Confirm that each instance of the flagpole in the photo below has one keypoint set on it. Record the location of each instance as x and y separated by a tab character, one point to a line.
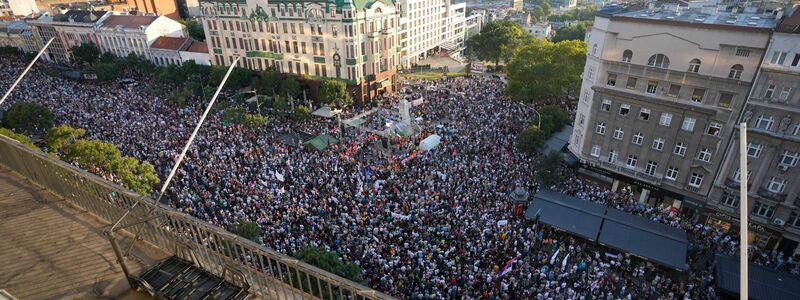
743	244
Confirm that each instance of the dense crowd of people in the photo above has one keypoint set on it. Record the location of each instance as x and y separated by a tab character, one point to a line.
422	225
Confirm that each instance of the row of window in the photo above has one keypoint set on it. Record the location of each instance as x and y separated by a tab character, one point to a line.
714	128
761	209
779	58
698	94
770	92
313	13
662	61
672	173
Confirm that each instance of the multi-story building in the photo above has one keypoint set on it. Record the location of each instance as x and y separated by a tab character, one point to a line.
70	29
661	94
18	7
167	8
539	30
122	35
772	114
430	26
17	34
176	50
354	41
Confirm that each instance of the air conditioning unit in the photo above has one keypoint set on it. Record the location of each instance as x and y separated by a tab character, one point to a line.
778	222
783	167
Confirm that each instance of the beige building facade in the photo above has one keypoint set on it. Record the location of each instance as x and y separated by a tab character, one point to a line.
660	98
772	114
353	41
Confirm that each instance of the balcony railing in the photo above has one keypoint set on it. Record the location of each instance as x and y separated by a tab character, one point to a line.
269	274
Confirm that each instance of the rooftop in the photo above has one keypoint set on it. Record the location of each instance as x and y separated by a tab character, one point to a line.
51	250
198	47
128	21
80	16
169	43
693	16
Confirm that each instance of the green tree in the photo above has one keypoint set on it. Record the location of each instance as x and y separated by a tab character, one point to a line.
301	114
104	71
170	75
254	120
550	168
334	93
28	118
544	71
553	118
279	106
572	32
268	82
497	41
106	57
248	230
239	77
85	53
61	136
138	176
21	138
289	87
329	261
531	139
195	30
91	154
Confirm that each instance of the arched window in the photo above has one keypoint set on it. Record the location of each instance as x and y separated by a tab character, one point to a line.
627	55
736	71
659	61
694	65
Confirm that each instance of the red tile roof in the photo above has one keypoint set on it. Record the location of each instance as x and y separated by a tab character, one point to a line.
128	21
169	43
199	47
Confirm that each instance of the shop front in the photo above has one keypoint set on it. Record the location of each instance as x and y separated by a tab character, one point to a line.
761	236
652	194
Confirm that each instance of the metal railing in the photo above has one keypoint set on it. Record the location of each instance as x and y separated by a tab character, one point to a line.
269	274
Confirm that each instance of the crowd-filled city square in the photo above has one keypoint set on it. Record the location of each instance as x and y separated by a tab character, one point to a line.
422	225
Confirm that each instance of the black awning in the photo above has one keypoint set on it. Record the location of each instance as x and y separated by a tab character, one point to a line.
579	217
660	243
557	141
763	283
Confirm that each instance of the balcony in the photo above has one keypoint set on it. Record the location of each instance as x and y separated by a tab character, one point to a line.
778	197
732	183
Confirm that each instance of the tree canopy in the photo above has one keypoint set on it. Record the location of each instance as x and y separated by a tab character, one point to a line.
61	136
334	93
239	77
248	230
549	168
497	41
85	53
21	138
543	71
572	32
329	261
28	118
195	30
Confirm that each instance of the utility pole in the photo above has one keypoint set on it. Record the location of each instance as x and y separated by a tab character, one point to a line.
743	227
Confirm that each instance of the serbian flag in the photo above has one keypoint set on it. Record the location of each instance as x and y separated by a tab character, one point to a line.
507	268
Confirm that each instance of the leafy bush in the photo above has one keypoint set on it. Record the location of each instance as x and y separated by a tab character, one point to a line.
330	261
59	137
301	114
549	167
21	138
254	120
233	115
